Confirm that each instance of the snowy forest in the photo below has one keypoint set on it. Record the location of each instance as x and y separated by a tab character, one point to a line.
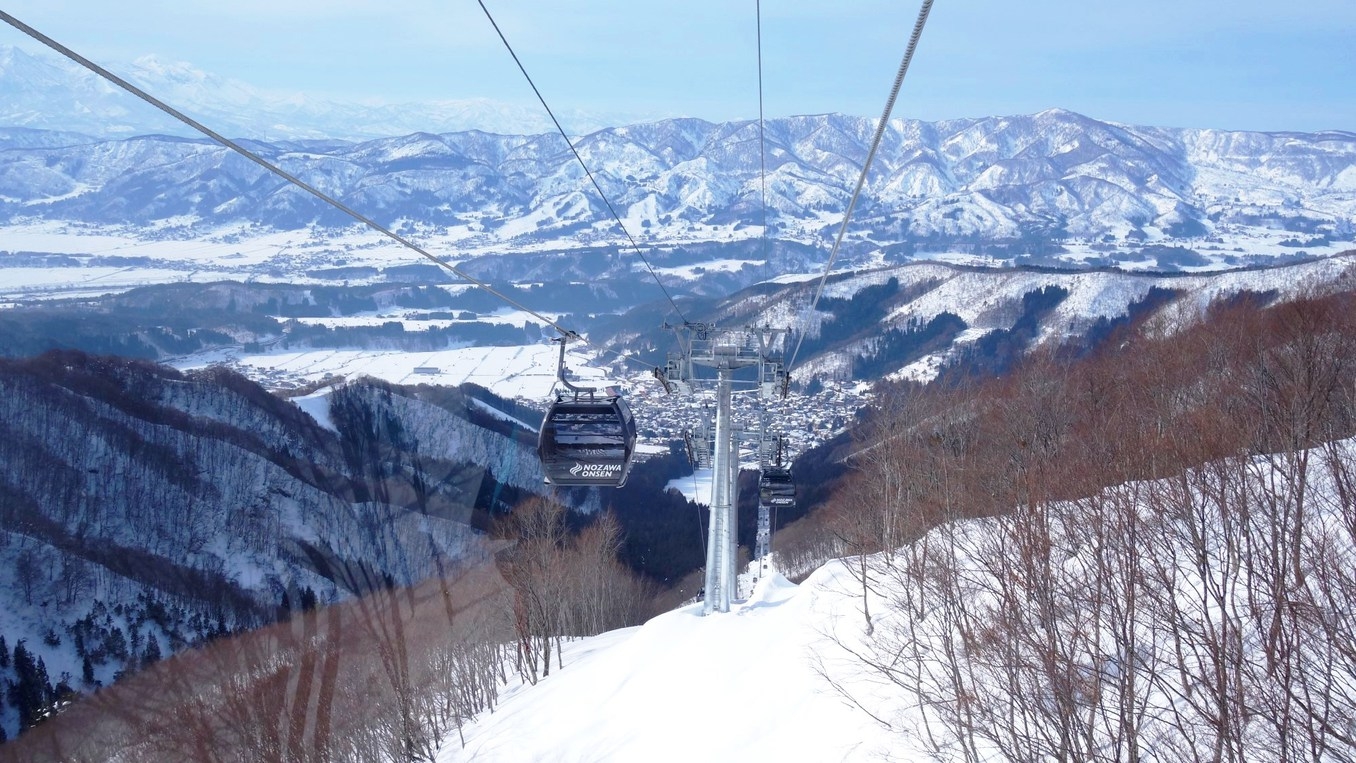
1143	555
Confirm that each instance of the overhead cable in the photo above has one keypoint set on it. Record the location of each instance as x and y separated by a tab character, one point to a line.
582	163
866	167
276	170
762	130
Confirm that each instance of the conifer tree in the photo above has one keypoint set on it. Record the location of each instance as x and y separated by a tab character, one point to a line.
30	689
152	652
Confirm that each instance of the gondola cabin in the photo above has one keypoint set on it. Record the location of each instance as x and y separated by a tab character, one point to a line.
775	487
587	441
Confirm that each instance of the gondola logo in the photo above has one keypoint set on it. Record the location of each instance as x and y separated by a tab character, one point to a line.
595	471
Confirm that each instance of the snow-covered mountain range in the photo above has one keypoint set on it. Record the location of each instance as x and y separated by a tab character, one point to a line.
1051	184
482	176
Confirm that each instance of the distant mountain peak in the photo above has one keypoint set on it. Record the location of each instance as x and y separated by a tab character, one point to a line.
155	66
44	91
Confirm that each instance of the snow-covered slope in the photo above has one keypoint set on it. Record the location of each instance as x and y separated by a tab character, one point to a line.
859	308
738	686
143	511
1119	604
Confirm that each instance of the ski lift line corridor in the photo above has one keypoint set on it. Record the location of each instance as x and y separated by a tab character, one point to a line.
723	350
727	351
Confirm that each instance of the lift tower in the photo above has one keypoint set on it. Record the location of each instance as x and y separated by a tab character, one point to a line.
727	351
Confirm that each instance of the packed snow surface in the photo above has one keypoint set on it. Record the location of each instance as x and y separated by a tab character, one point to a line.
741	685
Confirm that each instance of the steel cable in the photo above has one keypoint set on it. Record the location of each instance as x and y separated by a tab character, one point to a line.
299	183
762	131
581	161
866	167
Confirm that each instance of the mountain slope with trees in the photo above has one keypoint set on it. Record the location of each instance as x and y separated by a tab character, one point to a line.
144	511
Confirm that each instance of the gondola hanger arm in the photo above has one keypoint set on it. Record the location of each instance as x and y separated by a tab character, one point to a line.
564	339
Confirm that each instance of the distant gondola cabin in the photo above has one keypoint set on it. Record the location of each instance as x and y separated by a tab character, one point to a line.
775	487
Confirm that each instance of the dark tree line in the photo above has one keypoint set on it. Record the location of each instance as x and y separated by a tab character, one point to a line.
394	335
1000	350
898	347
662	531
1104	329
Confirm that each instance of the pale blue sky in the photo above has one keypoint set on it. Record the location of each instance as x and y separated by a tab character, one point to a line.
1245	64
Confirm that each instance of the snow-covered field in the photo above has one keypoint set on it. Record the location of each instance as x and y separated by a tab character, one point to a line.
527	371
140	257
241	253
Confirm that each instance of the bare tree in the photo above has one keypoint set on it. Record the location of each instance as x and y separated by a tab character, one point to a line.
27	572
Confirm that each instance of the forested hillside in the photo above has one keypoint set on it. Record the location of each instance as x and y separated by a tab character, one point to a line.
391	675
1166	565
144	511
1066	422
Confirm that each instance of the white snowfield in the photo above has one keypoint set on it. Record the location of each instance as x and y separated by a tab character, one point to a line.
523	371
739	686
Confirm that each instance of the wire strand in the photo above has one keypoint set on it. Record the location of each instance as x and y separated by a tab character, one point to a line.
762	131
581	161
276	170
866	167
235	146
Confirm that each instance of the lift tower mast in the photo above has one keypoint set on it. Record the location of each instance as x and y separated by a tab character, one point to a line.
727	351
